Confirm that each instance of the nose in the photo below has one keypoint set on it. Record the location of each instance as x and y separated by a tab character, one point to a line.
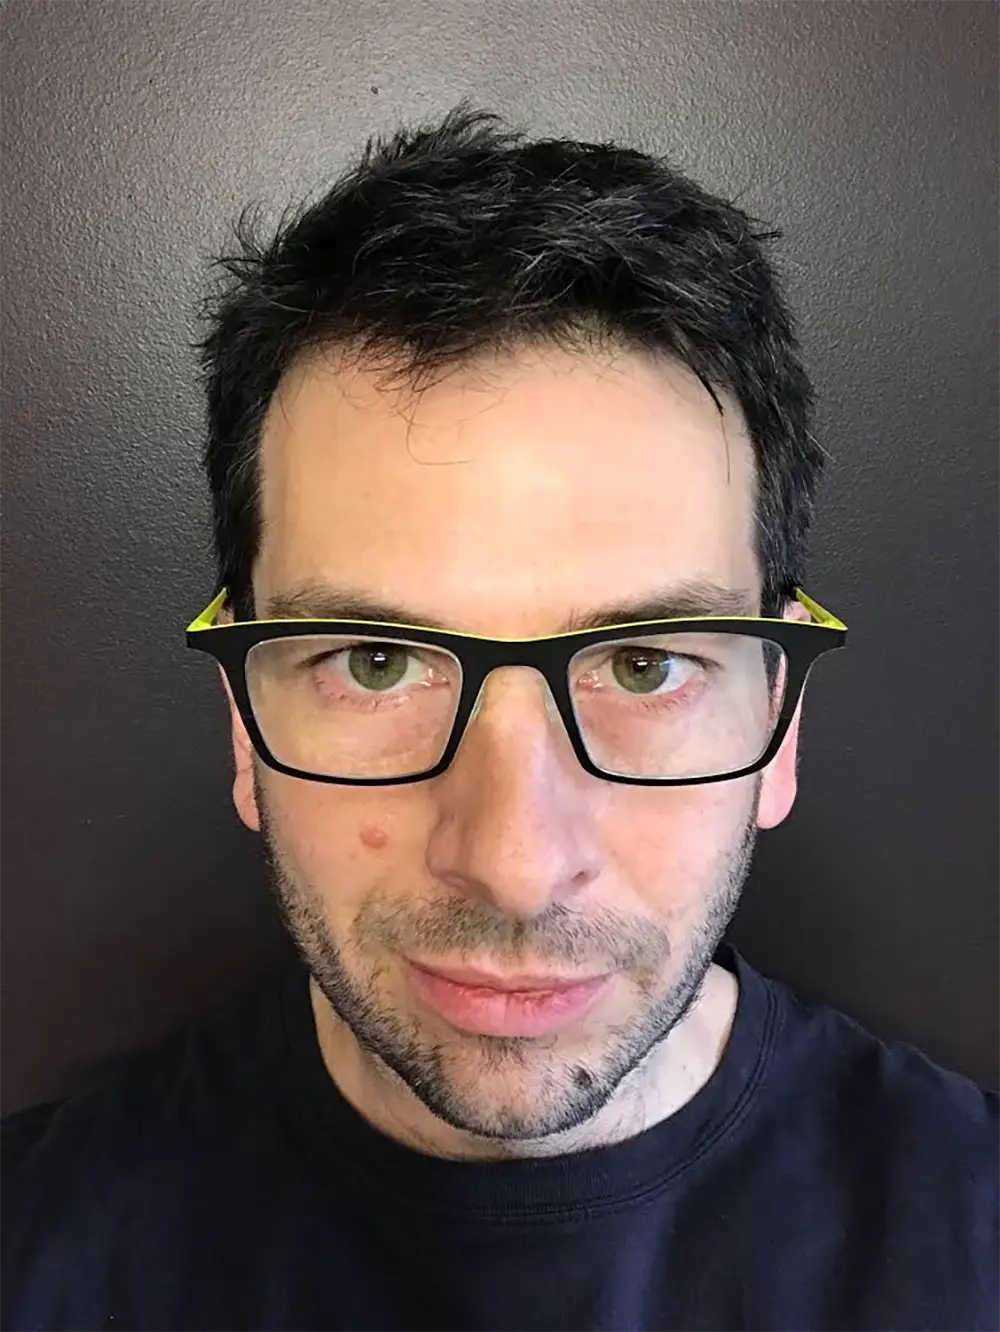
515	811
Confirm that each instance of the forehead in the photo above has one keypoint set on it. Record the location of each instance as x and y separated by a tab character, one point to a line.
508	492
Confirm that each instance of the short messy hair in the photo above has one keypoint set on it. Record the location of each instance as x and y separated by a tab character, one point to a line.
450	240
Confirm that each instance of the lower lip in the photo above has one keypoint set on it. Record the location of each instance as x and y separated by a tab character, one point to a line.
488	1012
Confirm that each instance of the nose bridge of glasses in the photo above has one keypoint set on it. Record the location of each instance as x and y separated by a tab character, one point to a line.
516	669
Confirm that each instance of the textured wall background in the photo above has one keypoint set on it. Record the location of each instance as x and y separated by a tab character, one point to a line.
134	131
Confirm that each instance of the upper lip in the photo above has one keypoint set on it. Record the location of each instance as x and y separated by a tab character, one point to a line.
519	981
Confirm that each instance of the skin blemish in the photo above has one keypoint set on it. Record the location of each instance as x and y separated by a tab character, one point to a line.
372	836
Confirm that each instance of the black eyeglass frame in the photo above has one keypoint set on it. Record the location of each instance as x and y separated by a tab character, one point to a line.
802	642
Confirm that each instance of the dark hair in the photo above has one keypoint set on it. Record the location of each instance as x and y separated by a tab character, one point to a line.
452	239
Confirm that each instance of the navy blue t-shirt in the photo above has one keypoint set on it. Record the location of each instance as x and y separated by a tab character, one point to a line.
821	1179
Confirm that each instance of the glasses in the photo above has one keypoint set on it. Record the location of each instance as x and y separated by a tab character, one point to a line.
655	703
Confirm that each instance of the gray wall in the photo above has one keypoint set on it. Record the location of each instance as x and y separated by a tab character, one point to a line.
133	132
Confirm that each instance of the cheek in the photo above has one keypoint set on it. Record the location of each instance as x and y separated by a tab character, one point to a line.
672	845
329	835
340	842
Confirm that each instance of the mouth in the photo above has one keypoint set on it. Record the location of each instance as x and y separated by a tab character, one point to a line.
518	1005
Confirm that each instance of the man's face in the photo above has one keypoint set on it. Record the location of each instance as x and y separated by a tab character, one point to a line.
501	500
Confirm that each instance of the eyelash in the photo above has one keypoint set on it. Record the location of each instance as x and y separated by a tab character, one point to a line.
374	701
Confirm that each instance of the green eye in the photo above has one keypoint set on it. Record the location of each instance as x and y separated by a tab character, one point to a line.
642	670
378	667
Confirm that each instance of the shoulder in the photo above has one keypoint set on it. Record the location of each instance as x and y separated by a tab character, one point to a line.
178	1098
901	1114
20	1131
110	1195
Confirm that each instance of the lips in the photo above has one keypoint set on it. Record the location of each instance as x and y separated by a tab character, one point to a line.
489	1005
518	982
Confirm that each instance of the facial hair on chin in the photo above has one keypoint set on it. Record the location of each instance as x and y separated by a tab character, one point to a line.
565	1096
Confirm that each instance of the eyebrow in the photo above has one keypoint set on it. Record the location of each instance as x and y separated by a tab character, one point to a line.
686	600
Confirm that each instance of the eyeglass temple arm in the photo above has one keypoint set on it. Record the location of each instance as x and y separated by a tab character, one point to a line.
819	615
206	620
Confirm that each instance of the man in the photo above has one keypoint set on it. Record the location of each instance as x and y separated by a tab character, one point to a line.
511	464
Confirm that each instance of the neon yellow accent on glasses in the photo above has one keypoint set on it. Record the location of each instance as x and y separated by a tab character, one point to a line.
824	618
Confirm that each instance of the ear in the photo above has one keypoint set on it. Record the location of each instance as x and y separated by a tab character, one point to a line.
244	797
779	781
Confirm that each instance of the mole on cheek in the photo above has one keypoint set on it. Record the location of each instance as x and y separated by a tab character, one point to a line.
373	836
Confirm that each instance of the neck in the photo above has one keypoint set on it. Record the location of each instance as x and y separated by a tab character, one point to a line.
670	1075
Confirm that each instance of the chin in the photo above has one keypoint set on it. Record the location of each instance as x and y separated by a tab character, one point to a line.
500	1092
514	1088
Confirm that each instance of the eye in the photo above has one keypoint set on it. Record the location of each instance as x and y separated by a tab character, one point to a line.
642	670
377	666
